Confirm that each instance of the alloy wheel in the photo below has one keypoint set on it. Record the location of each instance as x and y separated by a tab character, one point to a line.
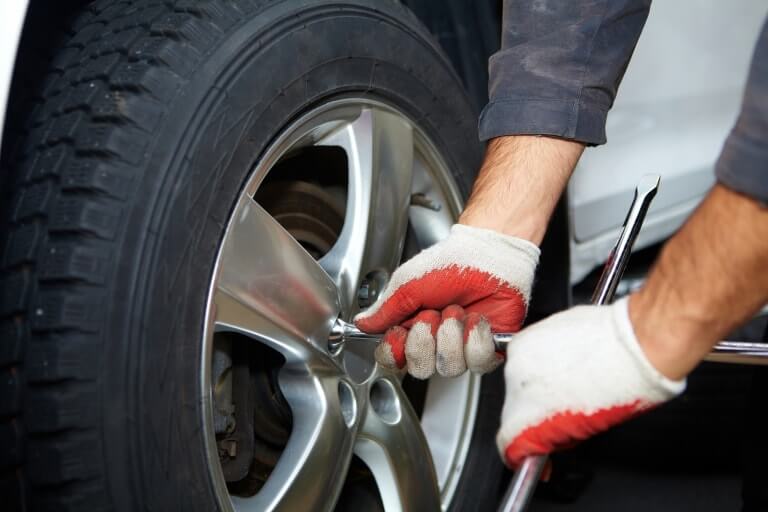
277	289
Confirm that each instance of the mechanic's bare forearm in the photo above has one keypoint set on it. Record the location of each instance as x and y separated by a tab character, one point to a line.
519	184
710	278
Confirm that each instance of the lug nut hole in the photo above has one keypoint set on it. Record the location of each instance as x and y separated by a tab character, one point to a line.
348	403
384	401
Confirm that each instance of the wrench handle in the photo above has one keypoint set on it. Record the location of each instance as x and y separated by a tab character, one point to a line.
520	490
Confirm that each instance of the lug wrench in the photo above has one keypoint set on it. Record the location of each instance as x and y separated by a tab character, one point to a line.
521	488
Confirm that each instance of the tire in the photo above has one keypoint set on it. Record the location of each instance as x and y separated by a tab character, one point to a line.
148	124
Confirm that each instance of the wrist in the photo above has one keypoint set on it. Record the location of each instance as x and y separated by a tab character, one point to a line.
668	339
667	383
530	229
519	184
709	278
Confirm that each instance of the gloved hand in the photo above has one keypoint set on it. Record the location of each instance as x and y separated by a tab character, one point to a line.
573	375
440	307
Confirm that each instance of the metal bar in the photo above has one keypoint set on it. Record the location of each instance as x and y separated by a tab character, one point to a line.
735	352
522	486
619	257
524	482
739	352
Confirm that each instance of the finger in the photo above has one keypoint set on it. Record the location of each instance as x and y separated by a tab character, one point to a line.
420	344
390	352
479	349
450	343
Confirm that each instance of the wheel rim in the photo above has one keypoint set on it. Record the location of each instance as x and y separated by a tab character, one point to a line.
268	289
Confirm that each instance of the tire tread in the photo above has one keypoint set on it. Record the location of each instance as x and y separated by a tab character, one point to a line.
81	152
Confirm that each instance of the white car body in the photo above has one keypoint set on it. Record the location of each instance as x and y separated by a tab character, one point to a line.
678	100
12	14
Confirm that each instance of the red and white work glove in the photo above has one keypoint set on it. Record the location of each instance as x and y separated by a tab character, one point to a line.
440	307
573	375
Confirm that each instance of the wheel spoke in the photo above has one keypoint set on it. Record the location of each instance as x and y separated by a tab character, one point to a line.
313	466
379	147
270	288
393	446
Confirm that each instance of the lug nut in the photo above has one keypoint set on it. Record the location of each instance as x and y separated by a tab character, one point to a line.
364	294
370	288
336	339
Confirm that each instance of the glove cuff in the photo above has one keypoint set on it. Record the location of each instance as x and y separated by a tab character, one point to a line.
664	387
489	236
511	259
